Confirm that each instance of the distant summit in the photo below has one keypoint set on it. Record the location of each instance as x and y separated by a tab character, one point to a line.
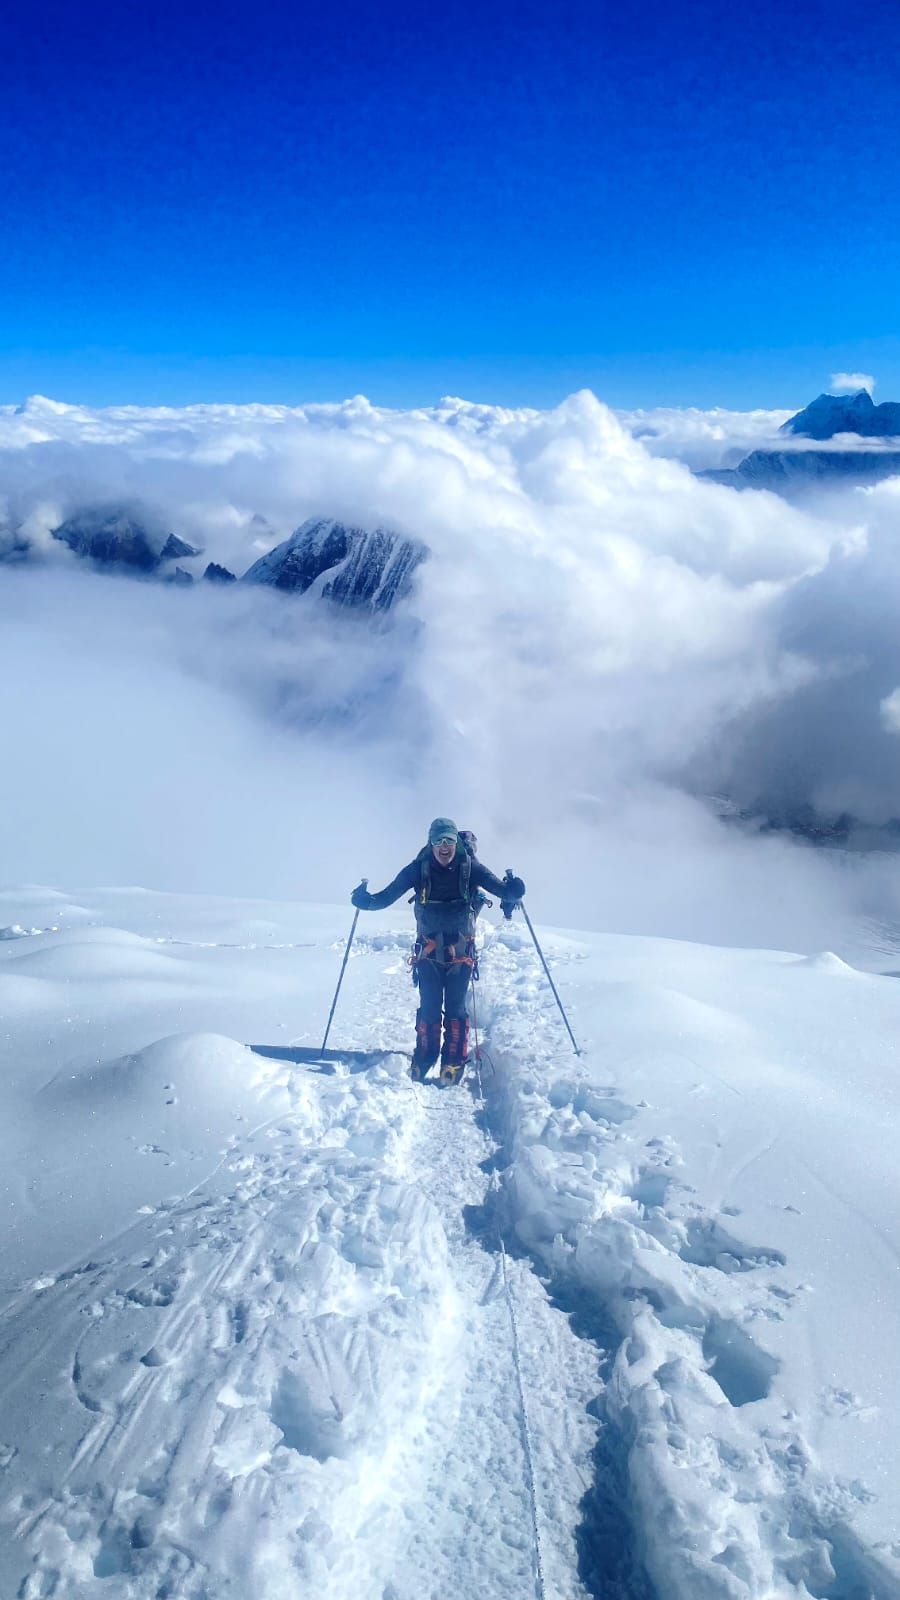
794	472
830	414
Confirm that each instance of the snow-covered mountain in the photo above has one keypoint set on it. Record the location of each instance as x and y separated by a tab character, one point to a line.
352	566
830	414
790	472
621	1324
359	568
119	537
797	472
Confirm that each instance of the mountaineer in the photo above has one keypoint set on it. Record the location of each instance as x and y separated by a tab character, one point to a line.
447	879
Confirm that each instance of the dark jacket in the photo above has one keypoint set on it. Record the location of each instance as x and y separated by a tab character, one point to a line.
446	910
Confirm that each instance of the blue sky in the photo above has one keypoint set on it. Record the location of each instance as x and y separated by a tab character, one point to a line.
280	202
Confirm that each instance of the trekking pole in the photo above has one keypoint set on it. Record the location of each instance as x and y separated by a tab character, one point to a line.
549	978
343	967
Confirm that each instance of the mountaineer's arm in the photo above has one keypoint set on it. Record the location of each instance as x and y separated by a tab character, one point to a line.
510	888
407	878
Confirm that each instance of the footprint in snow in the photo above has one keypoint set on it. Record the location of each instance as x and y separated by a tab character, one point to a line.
153	1294
836	1402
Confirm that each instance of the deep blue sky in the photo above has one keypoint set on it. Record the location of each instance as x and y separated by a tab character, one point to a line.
671	204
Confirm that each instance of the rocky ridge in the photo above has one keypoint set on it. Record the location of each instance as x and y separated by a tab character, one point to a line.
353	567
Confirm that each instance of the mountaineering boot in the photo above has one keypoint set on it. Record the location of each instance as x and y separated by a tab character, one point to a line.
428	1044
455	1053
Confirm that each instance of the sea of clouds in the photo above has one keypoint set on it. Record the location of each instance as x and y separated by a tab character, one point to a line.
599	642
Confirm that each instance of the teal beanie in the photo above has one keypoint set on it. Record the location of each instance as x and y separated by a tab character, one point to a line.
442	828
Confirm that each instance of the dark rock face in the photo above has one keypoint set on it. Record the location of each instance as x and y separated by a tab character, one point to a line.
176	549
353	567
13	548
857	413
790	472
216	574
113	536
109	536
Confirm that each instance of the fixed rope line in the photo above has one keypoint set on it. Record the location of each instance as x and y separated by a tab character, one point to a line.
527	1445
540	1584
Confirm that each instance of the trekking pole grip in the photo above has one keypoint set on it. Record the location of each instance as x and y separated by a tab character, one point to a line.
508	906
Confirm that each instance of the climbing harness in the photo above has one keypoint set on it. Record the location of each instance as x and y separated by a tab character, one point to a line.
442	955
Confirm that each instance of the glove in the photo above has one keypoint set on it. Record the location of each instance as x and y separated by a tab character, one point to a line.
361	897
513	892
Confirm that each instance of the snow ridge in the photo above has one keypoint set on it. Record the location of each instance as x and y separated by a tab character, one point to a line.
377	1340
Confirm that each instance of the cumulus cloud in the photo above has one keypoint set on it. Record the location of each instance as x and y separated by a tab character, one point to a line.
598	639
825	747
851	382
714	438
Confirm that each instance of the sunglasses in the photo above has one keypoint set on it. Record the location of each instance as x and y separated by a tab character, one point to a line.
446	840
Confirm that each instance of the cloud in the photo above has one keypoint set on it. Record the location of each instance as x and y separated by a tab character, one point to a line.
890	711
851	382
598	639
715	438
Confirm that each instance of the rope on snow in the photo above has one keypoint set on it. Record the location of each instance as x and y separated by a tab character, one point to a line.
540	1583
527	1445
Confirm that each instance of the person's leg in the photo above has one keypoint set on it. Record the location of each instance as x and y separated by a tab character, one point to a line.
428	1018
455	1052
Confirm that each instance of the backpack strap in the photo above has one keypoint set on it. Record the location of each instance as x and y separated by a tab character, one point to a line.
465	873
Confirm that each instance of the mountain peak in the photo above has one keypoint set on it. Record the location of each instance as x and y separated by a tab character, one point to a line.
352	566
830	414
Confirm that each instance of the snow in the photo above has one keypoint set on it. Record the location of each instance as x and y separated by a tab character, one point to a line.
620	1324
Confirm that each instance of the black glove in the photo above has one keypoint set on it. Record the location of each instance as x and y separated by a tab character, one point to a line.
513	892
361	897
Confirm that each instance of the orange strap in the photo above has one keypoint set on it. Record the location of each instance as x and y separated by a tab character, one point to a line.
429	948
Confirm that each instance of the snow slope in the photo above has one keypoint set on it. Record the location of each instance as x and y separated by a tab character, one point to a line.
618	1325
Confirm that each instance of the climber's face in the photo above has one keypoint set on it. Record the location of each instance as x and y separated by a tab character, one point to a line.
444	851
